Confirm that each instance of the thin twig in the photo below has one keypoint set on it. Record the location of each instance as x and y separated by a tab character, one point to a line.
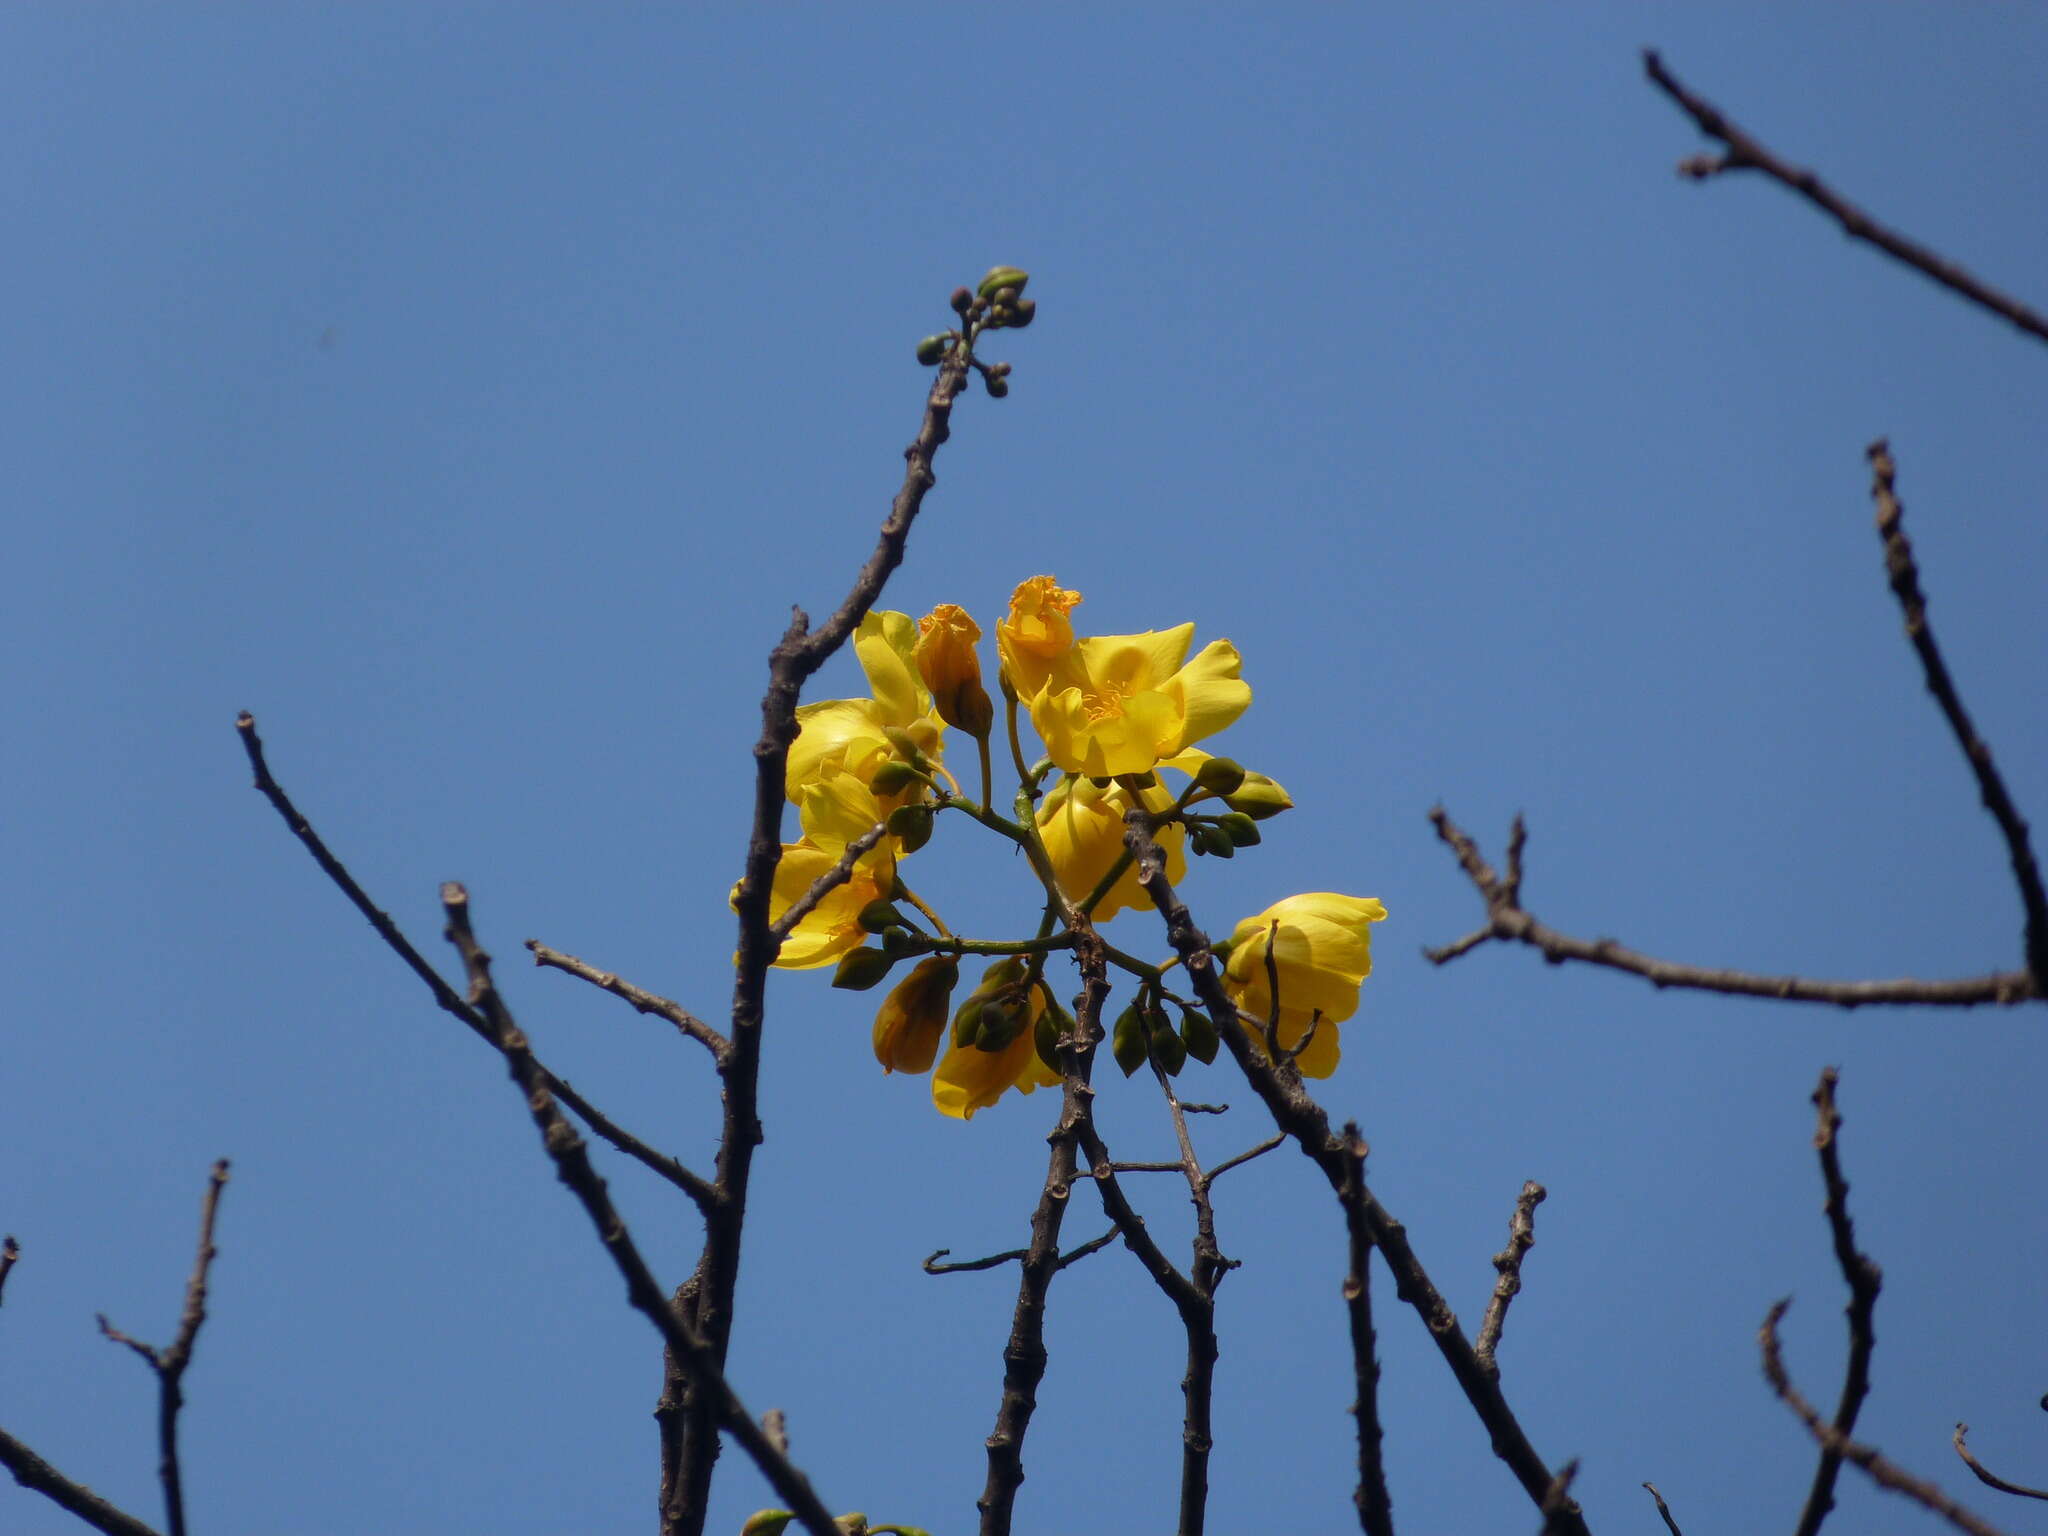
1295	1112
10	1252
1865	1280
38	1476
659	1163
829	881
1508	1265
1242	1158
573	1167
1886	1474
1664	1510
644	1001
1746	154
1905	584
169	1363
1985	1475
1507	919
1374	1504
932	1266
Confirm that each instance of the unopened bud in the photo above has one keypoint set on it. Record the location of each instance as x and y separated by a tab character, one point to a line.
1167	1047
999	1024
893	777
767	1522
1242	831
962	297
860	969
1022	313
1002	277
1045	1036
1220	775
905	744
997	388
1259	797
911	826
1127	1040
932	348
879	914
1198	1034
967	1020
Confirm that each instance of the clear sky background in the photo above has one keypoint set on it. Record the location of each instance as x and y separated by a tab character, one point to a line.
470	391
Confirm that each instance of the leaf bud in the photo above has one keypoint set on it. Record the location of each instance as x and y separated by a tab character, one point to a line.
1220	775
1259	797
860	969
879	914
932	348
1198	1034
911	826
1000	278
1242	831
1127	1040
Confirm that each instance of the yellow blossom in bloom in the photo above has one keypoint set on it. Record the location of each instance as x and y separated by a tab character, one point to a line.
1121	703
1323	955
835	809
914	1014
851	733
950	669
1082	828
1036	633
969	1078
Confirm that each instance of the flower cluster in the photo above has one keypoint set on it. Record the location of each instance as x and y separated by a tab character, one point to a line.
1114	715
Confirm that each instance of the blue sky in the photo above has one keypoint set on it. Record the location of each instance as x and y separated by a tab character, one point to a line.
470	391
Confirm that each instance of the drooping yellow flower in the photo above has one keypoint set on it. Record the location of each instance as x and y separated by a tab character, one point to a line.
1082	828
969	1078
913	1016
951	670
1035	633
851	733
1121	703
1322	955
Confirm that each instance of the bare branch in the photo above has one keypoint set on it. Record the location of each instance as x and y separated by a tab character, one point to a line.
1375	1506
1242	1158
646	1002
1507	919
1886	1474
1744	153
573	1167
828	882
932	1266
1664	1510
169	1363
1905	584
37	1475
1865	1280
1985	1475
1508	1264
1306	1124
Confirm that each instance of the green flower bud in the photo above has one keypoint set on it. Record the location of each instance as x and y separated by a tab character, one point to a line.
1002	277
996	387
898	942
767	1522
1045	1035
1022	313
1167	1047
905	744
967	1020
893	777
879	914
1127	1040
1210	838
999	1024
911	825
1242	831
1198	1034
962	297
1220	775
932	348
1259	797
855	1524
860	969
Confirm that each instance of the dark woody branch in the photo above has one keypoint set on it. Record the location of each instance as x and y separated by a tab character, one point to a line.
1305	1122
573	1167
1508	1266
1664	1510
1508	920
37	1475
932	1266
1743	153
644	1001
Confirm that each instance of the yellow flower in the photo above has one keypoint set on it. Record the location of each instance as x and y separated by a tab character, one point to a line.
1083	831
1120	703
851	733
1036	633
946	661
970	1078
914	1015
1323	955
832	927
